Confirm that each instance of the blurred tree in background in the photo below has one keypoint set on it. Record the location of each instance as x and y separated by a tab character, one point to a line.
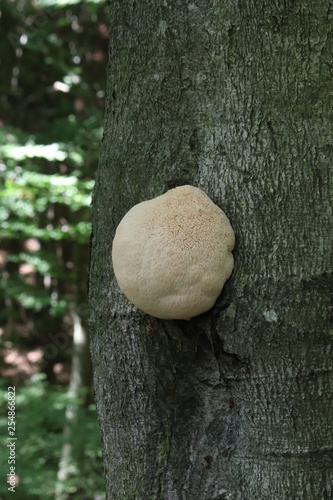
53	64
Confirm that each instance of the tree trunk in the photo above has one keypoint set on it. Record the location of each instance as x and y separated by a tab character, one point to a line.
235	98
78	395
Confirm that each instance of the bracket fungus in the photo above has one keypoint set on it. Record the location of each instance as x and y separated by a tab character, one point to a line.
172	254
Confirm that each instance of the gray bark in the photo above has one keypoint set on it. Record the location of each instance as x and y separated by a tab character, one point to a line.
78	394
235	98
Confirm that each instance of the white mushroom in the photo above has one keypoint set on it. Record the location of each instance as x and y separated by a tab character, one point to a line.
172	254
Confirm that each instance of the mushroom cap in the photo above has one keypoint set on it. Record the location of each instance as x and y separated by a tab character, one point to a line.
172	254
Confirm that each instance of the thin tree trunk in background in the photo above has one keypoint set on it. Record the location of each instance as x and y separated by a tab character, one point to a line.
235	98
79	391
77	394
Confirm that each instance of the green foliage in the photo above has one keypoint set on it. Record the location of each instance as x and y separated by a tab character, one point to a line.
53	64
40	418
27	194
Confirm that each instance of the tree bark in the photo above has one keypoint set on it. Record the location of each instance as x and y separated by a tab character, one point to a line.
235	98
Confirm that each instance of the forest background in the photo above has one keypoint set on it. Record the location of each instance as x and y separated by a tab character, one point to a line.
53	73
